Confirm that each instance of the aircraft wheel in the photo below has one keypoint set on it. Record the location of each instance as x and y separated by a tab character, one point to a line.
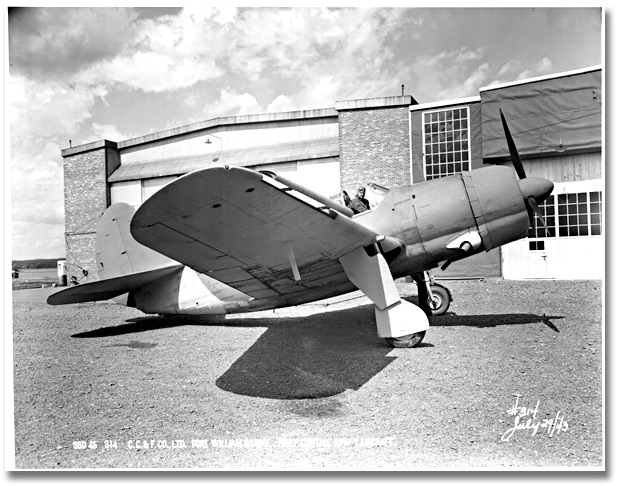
409	341
439	301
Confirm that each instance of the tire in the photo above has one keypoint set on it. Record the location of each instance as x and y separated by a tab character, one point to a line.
410	341
440	300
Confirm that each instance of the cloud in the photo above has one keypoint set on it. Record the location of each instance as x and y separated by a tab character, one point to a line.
469	87
513	71
282	103
509	68
52	42
39	109
452	74
231	103
542	67
466	55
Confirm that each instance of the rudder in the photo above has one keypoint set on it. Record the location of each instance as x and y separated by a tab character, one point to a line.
117	252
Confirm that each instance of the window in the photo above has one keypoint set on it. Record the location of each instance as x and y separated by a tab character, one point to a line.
595	213
575	214
579	214
537	245
547	209
446	142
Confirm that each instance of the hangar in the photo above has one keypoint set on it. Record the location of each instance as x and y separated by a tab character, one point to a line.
381	143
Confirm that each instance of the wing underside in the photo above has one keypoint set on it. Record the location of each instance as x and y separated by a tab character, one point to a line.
249	231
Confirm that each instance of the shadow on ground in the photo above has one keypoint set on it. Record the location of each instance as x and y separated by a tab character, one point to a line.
493	320
314	356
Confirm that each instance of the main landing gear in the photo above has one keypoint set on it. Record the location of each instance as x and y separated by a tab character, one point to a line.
433	299
410	341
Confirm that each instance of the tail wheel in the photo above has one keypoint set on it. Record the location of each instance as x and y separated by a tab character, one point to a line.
439	300
409	341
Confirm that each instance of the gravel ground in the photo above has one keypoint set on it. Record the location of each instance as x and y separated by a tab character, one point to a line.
103	386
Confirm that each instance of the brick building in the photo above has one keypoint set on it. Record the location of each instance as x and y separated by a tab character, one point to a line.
390	141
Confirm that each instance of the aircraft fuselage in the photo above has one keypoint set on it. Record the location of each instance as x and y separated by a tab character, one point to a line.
423	225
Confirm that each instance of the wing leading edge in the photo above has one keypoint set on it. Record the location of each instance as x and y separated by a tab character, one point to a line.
250	231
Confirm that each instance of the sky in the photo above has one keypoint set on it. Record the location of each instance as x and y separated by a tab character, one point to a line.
86	74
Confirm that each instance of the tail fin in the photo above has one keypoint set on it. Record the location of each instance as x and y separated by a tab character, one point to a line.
117	252
124	265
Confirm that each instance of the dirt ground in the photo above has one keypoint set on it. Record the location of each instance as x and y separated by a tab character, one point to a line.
313	387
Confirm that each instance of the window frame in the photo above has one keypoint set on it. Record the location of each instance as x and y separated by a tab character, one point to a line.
449	151
573	220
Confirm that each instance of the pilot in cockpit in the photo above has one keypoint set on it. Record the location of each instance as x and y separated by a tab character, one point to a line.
359	203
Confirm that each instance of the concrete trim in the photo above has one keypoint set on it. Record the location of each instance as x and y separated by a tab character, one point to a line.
87	147
446	104
369	103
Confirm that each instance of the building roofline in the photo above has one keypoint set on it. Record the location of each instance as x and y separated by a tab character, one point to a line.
383	102
542	78
206	124
446	104
87	147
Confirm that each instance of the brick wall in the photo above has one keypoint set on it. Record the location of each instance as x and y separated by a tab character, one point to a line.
87	196
374	147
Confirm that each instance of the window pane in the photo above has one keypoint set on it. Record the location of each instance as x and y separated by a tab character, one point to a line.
446	141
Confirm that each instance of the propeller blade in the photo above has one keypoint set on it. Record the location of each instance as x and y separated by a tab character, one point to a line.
514	153
534	210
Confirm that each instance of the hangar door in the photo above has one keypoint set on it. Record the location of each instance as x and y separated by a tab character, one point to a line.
573	245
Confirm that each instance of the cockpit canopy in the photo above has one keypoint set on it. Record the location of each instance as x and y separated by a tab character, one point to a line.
375	194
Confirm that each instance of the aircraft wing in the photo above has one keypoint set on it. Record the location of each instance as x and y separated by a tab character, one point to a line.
110	287
250	231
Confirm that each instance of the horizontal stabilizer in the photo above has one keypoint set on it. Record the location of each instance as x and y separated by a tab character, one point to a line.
110	287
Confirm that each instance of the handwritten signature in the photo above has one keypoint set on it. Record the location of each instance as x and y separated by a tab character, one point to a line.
526	418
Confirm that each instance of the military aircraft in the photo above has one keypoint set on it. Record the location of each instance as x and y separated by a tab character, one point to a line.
229	239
